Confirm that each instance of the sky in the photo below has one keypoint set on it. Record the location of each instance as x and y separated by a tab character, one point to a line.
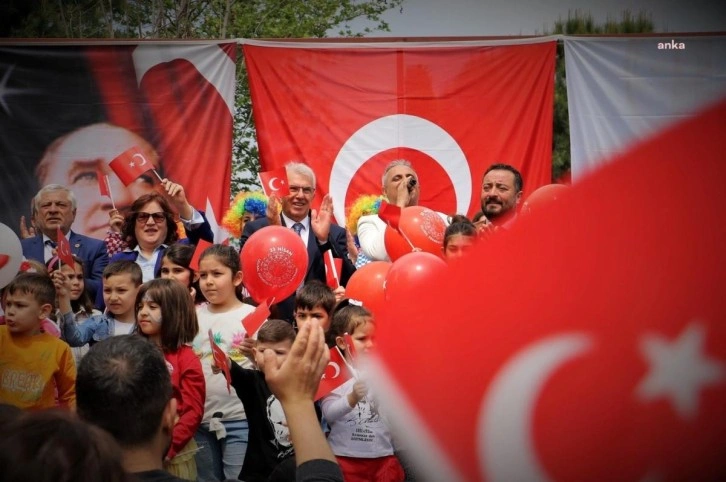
531	17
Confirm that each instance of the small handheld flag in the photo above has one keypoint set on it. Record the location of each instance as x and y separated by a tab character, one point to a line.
220	359
275	182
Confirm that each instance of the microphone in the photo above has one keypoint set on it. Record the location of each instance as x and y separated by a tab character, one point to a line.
411	183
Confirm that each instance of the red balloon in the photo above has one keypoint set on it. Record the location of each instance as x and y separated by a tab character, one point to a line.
274	262
367	283
422	226
412	275
542	196
396	246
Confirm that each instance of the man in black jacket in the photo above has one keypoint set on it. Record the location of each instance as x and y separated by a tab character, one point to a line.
315	228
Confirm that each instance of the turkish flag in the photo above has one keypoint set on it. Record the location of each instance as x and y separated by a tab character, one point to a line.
332	269
451	110
130	165
257	318
275	182
390	214
220	359
600	331
336	374
64	249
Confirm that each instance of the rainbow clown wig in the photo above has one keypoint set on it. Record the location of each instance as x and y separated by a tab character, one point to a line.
363	206
253	203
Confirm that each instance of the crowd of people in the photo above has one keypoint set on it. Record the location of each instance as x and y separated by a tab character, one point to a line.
127	338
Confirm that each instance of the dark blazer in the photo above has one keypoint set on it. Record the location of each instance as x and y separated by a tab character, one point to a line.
336	242
92	251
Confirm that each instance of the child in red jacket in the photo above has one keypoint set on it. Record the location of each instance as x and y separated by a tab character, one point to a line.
165	314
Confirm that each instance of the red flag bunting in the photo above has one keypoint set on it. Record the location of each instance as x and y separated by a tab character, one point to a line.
64	249
220	359
275	182
201	246
130	164
257	318
336	374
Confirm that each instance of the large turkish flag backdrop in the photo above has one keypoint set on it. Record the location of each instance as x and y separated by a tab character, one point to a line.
451	109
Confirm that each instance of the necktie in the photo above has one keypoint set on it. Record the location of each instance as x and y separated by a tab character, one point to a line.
298	227
50	243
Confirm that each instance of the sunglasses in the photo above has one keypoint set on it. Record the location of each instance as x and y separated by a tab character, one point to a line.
143	218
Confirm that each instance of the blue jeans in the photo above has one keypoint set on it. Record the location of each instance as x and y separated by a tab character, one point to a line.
221	459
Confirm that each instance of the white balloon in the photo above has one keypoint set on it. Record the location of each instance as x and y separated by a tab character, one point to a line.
505	447
10	247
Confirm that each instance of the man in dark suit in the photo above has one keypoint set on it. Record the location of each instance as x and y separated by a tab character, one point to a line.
55	207
314	228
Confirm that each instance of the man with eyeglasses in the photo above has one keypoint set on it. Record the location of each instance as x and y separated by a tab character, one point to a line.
55	207
315	228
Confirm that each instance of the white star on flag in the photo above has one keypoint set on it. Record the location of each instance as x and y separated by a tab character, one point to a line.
6	91
132	164
678	369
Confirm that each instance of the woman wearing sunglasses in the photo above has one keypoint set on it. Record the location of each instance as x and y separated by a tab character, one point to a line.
151	226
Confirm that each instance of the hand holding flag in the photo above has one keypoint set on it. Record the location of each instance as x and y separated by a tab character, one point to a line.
275	182
64	249
336	374
220	360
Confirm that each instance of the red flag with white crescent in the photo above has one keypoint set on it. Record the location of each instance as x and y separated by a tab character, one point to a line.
130	165
600	330
275	182
336	374
64	249
450	110
220	360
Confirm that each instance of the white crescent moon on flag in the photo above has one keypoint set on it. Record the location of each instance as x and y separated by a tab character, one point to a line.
505	447
140	156
337	369
399	130
210	61
271	184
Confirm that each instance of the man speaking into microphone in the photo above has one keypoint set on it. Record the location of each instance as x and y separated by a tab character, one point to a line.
400	187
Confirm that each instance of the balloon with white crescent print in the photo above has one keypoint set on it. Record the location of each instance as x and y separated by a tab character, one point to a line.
399	130
505	447
143	159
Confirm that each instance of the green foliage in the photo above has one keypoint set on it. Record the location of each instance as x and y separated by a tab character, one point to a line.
579	23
